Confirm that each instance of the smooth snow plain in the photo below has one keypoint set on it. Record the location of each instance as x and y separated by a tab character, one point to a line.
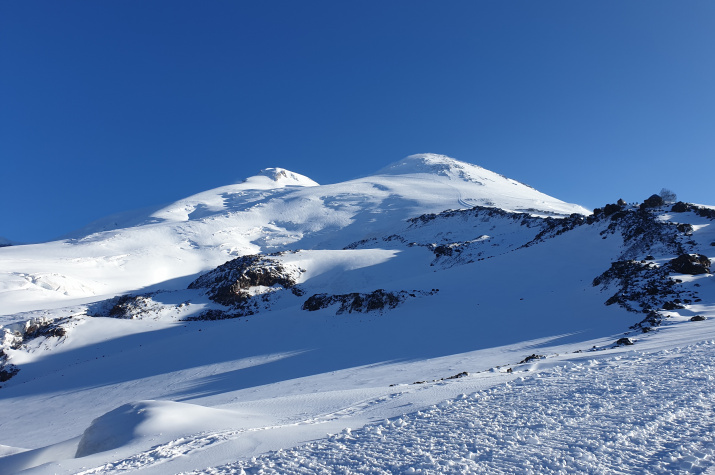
289	391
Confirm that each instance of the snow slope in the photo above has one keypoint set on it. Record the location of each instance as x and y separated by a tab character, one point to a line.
441	381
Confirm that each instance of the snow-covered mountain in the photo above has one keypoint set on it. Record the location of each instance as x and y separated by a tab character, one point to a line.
262	315
275	211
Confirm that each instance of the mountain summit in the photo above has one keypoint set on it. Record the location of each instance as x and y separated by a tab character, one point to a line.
441	165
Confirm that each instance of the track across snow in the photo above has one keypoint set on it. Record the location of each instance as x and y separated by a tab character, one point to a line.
635	413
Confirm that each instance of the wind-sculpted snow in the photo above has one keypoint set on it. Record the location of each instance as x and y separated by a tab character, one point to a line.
636	413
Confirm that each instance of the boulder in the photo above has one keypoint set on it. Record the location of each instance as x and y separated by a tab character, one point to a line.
653	202
692	264
610	208
669	305
680	207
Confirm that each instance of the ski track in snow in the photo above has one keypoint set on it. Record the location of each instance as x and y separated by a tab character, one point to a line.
639	413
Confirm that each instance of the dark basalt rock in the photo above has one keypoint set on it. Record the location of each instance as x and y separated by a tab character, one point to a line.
532	357
8	371
463	374
34	328
128	306
609	209
642	286
680	207
693	264
704	212
377	300
697	318
214	314
653	202
228	283
669	305
624	341
47	328
685	228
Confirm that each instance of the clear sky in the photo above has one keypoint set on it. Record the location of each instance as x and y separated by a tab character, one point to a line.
108	106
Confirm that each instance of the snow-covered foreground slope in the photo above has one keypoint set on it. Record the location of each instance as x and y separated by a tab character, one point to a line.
428	340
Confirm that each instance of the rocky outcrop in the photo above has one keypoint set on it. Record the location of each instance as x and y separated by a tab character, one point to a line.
680	207
642	287
131	306
17	335
625	341
377	300
231	284
653	202
7	370
693	264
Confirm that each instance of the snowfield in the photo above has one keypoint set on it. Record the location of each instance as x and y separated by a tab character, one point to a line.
432	318
633	413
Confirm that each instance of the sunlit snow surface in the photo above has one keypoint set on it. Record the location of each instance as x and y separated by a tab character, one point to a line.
633	413
263	393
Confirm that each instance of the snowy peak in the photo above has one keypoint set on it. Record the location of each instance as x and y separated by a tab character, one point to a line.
278	178
476	186
444	166
431	163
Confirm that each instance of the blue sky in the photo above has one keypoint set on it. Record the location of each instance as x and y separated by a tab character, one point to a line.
115	105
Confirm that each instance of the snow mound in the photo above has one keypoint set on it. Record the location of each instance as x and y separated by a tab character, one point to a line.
132	422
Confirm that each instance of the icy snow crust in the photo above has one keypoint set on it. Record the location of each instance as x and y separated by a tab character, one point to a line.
439	384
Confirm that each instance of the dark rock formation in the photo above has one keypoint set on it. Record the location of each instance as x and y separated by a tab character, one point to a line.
693	264
680	207
377	300
653	202
685	228
228	284
670	305
129	306
32	329
7	371
641	287
624	341
697	318
532	357
609	209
